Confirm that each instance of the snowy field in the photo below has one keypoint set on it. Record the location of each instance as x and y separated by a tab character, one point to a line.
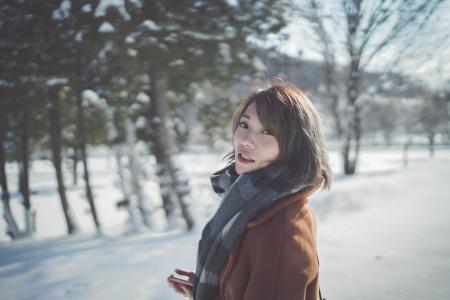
383	234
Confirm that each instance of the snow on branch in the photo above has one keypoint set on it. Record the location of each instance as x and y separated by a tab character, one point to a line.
151	25
56	81
63	11
106	27
118	4
91	98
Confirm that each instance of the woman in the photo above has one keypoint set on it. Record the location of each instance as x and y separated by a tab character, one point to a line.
261	242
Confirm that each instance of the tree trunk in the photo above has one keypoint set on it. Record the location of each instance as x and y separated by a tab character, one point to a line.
82	148
24	185
405	151
75	165
136	172
11	226
162	151
333	93
55	140
431	143
183	192
161	145
387	136
351	144
135	222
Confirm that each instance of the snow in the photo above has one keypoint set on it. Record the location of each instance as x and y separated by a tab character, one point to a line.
87	8
79	36
176	63
130	39
224	50
162	47
141	122
91	98
230	32
171	38
56	81
388	229
134	107
203	36
106	27
63	11
243	57
108	47
143	98
387	85
119	5
195	52
150	25
132	52
383	234
258	64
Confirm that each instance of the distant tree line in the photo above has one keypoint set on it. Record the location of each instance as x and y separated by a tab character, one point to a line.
396	108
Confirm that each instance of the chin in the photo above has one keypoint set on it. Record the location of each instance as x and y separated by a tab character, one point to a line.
238	170
241	169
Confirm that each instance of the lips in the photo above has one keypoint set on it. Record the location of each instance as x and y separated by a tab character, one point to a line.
245	160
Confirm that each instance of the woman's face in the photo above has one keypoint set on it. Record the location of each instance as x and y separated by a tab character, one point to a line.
254	146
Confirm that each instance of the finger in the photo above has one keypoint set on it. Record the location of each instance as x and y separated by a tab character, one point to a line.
177	287
189	274
187	292
183	272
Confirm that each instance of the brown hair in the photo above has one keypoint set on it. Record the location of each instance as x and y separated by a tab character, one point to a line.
296	124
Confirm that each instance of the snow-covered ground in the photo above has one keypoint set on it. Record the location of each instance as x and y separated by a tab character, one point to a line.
383	234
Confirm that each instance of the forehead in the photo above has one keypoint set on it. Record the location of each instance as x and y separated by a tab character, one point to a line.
251	110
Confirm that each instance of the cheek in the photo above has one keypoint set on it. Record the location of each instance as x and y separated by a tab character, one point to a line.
272	150
235	139
275	151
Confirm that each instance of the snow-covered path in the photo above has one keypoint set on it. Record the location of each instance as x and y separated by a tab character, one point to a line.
383	234
86	268
387	236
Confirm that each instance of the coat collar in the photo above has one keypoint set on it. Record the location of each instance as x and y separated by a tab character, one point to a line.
268	213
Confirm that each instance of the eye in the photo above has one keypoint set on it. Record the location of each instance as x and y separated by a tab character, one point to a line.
243	124
267	132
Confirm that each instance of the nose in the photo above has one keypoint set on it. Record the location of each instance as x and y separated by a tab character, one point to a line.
247	140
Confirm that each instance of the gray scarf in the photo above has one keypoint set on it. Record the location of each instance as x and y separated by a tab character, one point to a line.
243	197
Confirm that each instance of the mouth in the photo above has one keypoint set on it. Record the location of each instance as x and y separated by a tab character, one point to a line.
245	160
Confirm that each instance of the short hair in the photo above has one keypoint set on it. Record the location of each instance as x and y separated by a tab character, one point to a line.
290	115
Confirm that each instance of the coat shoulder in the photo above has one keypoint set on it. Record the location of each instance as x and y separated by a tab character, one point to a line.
291	227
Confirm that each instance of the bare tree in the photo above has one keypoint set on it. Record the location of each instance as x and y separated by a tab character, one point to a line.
82	145
372	31
24	168
54	116
382	116
432	119
12	228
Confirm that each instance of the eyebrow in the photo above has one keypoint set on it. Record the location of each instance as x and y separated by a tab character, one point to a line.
245	116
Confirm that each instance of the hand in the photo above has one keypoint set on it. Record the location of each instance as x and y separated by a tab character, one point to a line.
182	289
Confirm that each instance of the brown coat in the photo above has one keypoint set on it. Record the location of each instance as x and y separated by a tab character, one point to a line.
276	258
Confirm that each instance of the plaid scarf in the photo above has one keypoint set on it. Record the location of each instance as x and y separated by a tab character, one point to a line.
243	197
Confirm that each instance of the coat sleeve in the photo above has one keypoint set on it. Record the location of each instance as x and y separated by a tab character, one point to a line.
283	260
